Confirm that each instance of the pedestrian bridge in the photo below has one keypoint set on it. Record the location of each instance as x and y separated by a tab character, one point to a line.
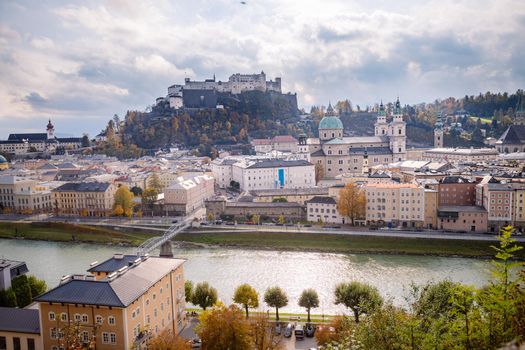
156	242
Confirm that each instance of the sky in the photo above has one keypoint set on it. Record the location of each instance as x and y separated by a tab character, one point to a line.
81	62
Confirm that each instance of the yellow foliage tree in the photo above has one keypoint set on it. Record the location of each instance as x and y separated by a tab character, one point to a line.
118	211
282	219
166	340
224	328
124	199
352	202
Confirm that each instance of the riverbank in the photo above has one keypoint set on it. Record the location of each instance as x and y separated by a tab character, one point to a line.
286	241
63	232
342	243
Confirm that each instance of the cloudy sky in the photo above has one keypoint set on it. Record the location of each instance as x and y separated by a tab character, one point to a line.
80	62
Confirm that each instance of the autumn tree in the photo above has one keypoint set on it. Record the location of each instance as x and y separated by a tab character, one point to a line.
118	210
224	328
264	335
124	199
352	202
155	183
309	300
361	298
247	296
276	297
166	340
204	295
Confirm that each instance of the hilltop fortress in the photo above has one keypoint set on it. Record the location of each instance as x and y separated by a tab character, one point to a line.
204	94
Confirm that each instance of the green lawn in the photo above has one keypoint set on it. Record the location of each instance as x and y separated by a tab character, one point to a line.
344	243
67	232
483	120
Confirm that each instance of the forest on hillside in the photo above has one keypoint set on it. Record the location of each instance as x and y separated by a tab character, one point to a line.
468	121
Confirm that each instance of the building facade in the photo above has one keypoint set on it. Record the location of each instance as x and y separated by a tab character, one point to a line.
337	154
84	199
463	219
323	209
130	304
25	196
188	194
457	190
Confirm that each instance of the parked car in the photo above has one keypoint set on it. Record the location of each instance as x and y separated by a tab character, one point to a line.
204	223
230	223
278	329
309	330
307	225
288	330
218	222
299	332
174	221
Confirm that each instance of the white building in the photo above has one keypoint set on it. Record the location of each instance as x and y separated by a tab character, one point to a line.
188	193
273	173
460	154
323	209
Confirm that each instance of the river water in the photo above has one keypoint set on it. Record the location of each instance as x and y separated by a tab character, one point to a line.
225	269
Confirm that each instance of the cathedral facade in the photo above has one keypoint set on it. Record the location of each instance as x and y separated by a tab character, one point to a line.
338	154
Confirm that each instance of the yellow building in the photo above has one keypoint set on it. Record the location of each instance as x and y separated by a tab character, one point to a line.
86	199
23	195
431	206
19	329
119	305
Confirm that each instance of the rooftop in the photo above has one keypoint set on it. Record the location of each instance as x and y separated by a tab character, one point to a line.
278	163
119	291
19	320
83	187
462	208
322	200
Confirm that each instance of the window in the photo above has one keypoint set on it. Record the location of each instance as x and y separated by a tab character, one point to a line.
53	333
77	317
113	338
85	337
111	320
3	343
105	338
98	319
85	318
30	344
52	316
16	343
63	316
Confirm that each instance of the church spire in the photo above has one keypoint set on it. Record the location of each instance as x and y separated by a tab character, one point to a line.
330	109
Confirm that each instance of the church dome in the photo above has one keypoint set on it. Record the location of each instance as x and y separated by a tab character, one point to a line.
330	122
2	159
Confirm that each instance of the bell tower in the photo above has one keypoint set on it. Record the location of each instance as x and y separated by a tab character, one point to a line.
50	130
438	132
397	131
381	126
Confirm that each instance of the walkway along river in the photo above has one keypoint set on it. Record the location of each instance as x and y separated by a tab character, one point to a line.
225	269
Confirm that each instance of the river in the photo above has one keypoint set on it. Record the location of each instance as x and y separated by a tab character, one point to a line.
293	271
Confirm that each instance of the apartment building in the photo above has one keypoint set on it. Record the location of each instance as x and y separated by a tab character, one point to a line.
463	218
10	269
188	193
19	329
85	199
121	310
457	190
395	204
460	154
323	209
23	195
431	206
273	174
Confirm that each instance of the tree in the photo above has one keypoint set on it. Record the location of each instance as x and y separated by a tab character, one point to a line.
463	302
309	300
282	219
155	183
84	142
166	340
247	296
149	197
22	290
137	191
123	198
352	202
319	172
204	295
361	298
276	297
224	328
37	286
8	298
264	335
118	210
188	290
255	219
280	200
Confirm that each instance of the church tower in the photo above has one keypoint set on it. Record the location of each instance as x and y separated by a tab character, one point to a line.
381	126
397	134
438	132
50	131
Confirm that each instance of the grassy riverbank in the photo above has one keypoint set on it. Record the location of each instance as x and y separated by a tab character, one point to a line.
61	232
344	243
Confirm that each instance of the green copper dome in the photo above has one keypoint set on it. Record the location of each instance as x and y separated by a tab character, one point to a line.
2	159
330	122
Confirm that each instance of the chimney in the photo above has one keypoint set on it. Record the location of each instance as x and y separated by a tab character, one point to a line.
118	256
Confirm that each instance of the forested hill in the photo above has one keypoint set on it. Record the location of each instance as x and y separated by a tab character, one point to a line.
252	114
